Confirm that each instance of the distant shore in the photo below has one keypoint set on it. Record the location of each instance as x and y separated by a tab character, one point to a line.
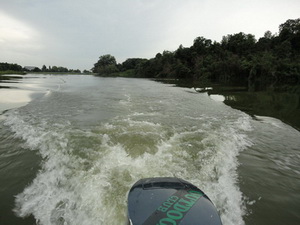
7	72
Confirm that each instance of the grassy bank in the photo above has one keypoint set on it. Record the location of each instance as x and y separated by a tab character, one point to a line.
60	73
12	72
128	73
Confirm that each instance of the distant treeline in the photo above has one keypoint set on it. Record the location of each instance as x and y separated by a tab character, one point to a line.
58	69
13	68
10	67
238	59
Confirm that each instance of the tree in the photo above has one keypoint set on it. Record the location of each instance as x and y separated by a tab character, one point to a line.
241	44
86	71
184	55
36	69
106	64
201	45
268	35
44	68
182	71
290	26
75	71
290	31
10	66
54	69
131	63
237	59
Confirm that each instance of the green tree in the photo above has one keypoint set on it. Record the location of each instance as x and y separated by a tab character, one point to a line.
106	65
131	63
237	59
36	69
182	71
10	66
241	44
290	26
44	68
201	45
290	31
54	69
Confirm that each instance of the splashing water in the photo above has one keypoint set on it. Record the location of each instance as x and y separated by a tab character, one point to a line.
96	145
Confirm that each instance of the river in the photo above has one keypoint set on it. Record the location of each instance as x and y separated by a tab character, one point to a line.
71	146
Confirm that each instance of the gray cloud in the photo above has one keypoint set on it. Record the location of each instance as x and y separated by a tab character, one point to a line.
74	33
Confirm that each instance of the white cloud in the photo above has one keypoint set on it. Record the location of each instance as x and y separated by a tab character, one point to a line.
17	39
13	31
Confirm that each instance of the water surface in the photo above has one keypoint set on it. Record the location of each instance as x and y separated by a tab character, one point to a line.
70	154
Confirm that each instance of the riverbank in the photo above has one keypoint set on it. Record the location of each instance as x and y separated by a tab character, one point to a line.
11	72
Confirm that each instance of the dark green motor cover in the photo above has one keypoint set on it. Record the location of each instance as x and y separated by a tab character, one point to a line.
169	201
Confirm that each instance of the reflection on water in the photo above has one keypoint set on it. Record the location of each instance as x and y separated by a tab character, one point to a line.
15	96
18	90
12	98
282	105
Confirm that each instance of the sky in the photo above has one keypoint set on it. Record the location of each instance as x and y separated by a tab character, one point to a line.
75	33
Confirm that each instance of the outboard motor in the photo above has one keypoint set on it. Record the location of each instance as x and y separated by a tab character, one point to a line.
169	201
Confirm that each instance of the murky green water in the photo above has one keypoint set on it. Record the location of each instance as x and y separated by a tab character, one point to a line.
70	155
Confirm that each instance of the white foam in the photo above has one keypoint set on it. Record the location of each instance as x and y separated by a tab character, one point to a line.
127	101
86	174
216	167
217	98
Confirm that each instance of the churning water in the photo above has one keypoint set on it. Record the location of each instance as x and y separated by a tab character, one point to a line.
74	151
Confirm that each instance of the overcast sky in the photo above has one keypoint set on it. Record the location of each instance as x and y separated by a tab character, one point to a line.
74	33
